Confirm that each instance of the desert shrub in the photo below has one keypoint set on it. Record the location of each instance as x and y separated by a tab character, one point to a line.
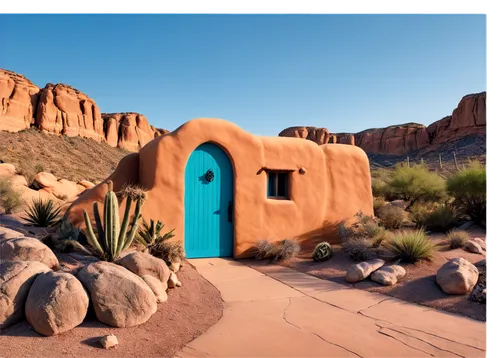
378	203
419	213
38	168
113	235
171	251
42	213
150	235
27	172
322	252
10	200
380	178
416	183
277	251
457	238
361	240
411	246
286	249
440	219
359	248
468	187
391	216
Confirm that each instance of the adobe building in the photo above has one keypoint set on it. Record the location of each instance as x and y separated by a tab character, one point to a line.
224	189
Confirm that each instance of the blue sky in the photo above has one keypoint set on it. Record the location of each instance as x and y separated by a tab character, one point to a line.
263	72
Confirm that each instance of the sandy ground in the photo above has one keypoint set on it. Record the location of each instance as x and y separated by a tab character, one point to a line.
417	286
189	311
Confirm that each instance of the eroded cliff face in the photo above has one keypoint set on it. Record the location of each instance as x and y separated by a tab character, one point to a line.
467	119
62	109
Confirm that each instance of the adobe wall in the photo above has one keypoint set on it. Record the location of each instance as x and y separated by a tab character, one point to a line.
319	195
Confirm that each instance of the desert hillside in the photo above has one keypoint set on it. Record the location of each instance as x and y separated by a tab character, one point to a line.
462	132
72	158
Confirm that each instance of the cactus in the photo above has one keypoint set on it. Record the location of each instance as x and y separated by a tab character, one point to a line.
322	252
112	238
150	236
456	162
440	162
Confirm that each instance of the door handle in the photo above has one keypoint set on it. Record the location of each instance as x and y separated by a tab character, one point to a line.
230	212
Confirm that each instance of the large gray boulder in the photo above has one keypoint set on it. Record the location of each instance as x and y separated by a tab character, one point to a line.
457	277
28	249
142	264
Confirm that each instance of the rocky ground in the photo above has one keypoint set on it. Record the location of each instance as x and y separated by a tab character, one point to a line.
418	285
187	313
75	159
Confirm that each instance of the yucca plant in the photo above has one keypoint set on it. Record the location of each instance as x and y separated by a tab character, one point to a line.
322	252
42	213
411	246
112	238
151	236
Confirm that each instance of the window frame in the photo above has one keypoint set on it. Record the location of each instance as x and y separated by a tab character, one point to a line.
276	174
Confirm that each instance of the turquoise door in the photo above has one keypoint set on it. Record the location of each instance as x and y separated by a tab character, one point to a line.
208	203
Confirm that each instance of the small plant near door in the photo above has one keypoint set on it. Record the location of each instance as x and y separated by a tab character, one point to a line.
277	251
112	237
150	236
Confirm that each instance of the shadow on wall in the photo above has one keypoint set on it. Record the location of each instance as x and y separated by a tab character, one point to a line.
328	232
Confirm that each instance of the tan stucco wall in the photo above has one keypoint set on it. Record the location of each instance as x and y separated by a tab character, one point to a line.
334	187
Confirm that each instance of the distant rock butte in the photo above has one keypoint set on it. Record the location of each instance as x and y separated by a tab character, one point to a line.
61	109
468	118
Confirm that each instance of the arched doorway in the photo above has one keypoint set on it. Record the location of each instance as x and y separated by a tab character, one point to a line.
208	203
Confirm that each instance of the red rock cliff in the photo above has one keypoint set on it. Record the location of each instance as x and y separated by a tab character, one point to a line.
61	109
468	118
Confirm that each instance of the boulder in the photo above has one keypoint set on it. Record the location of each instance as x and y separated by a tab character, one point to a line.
474	247
457	277
16	278
28	249
119	297
142	264
56	303
7	170
359	272
388	275
158	288
86	184
480	242
175	266
108	341
173	281
61	189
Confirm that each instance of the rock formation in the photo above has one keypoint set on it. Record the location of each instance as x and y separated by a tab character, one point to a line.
468	118
61	109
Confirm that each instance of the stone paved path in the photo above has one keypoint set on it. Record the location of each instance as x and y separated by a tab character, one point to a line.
284	313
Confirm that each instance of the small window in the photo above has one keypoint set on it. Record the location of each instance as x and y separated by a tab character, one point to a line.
277	185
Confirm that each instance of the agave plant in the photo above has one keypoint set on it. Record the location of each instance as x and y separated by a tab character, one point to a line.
42	213
322	252
151	236
112	238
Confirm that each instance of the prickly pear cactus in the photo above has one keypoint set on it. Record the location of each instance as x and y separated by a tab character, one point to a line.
323	251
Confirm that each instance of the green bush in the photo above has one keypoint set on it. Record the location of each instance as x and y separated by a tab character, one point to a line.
42	213
416	183
378	203
10	200
150	235
441	219
419	213
411	246
380	178
468	187
392	216
457	238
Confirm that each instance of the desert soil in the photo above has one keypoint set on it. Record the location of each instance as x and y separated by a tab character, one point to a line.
70	158
418	286
189	311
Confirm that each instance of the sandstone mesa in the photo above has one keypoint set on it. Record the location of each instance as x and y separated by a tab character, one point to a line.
469	118
61	109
